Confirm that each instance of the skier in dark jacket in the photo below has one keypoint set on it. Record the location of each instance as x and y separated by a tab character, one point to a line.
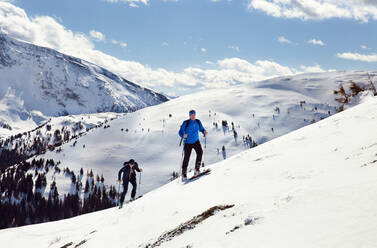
189	131
129	176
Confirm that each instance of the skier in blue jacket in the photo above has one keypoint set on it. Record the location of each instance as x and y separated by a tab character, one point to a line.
189	131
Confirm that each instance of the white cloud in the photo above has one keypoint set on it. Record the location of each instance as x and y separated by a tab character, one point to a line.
316	42
364	47
315	68
137	3
260	67
360	10
120	43
131	3
203	49
97	36
164	43
282	39
358	57
235	48
46	31
217	1
41	30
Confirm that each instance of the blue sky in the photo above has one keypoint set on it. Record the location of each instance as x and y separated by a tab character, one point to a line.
197	34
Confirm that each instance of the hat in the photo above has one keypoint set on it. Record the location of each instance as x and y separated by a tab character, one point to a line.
192	112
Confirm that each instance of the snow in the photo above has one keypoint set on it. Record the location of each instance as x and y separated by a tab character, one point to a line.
158	151
37	83
314	187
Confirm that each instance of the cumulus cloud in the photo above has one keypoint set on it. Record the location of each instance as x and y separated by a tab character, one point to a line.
164	43
358	57
203	49
360	10
46	31
97	36
316	42
364	47
120	43
315	68
282	39
41	30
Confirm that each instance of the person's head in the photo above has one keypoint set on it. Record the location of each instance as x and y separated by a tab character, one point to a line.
131	162
192	114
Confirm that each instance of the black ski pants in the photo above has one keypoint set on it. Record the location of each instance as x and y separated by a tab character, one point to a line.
199	154
132	180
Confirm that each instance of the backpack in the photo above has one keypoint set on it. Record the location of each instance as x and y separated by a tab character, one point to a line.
188	121
186	125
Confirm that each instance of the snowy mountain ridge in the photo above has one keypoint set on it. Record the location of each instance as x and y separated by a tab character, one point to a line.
58	158
36	82
70	147
263	110
314	187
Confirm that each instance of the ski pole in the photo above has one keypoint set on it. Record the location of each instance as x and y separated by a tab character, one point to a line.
205	147
139	181
118	193
181	163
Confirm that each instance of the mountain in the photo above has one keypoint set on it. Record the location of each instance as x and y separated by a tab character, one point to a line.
38	82
314	187
77	157
263	110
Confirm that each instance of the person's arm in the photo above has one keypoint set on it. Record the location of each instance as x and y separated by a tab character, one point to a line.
201	128
120	173
182	130
137	168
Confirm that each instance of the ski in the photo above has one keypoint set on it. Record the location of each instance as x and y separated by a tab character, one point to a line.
129	201
134	199
205	172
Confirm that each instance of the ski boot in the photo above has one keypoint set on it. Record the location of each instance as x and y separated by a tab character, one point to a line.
184	178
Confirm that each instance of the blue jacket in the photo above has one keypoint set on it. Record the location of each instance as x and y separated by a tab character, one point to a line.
192	130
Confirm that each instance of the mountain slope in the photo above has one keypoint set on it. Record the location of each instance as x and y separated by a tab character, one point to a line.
152	137
40	79
314	187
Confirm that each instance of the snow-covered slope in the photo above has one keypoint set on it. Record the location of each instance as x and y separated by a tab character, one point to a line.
37	81
152	137
314	187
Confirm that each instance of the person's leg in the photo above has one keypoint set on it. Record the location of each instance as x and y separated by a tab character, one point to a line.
125	188
186	159
199	154
134	187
